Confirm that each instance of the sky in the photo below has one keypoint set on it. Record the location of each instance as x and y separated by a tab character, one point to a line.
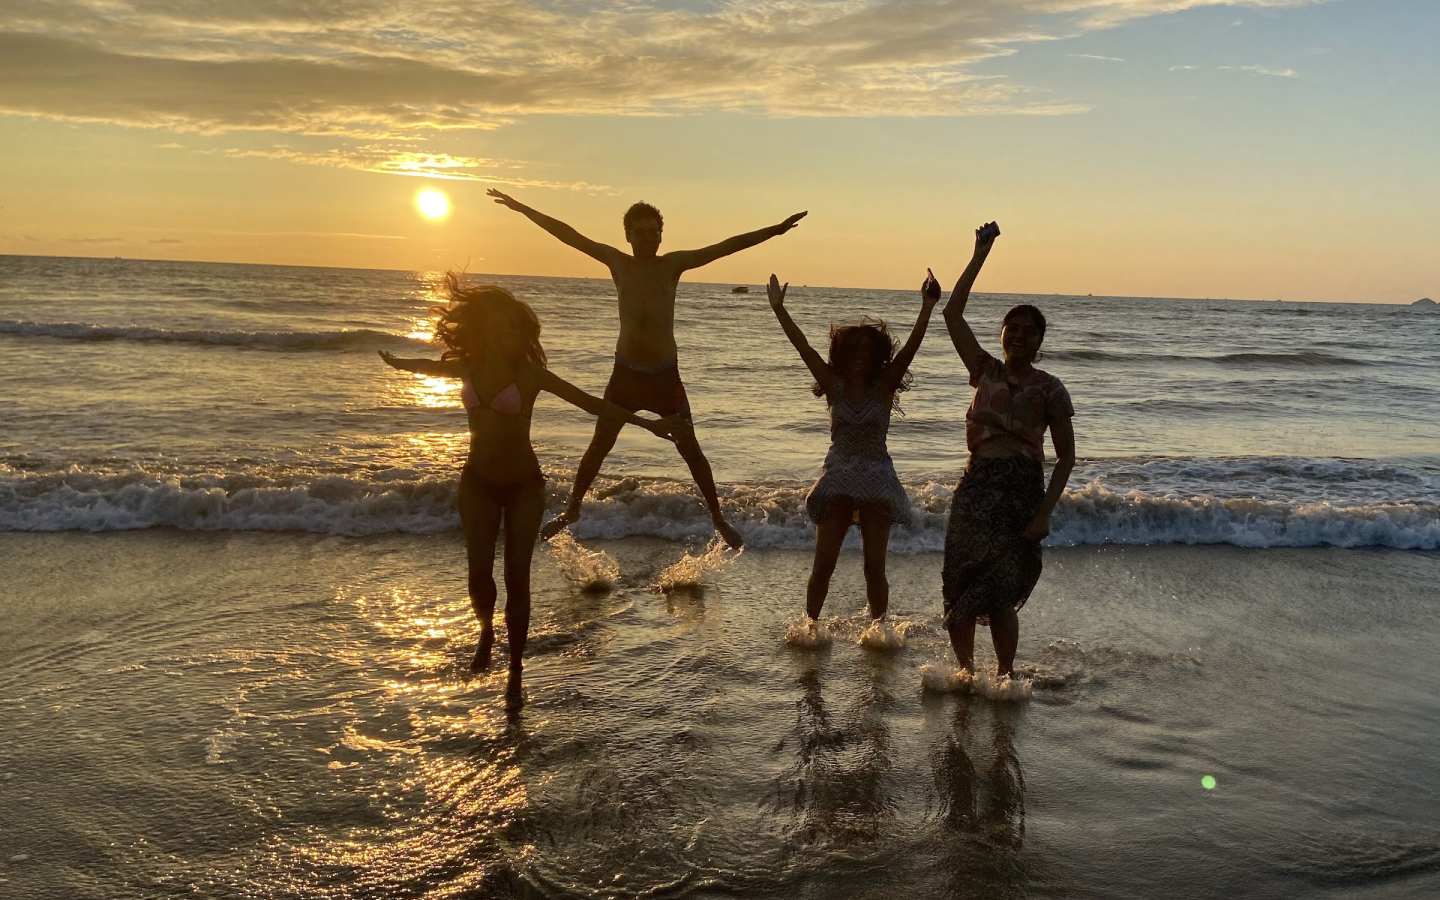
1277	149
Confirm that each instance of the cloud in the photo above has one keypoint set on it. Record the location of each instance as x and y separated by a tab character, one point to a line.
1183	68
1093	56
369	69
1262	70
392	161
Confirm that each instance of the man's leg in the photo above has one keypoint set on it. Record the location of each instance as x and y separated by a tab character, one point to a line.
606	431
705	480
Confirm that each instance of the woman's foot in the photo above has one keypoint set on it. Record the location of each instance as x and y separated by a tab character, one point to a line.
559	524
481	663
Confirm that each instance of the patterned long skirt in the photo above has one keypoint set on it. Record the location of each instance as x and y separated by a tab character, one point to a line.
989	565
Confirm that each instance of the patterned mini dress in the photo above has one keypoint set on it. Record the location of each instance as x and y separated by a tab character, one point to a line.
858	467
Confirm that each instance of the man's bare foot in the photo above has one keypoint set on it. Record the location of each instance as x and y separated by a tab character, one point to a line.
481	663
514	689
558	524
729	535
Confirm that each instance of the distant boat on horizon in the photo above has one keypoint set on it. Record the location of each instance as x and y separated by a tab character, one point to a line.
741	289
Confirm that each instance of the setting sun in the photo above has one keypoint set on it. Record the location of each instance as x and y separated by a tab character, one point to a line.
432	204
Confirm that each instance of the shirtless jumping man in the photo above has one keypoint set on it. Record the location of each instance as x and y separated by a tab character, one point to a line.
646	374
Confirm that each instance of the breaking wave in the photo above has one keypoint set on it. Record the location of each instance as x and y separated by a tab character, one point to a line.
768	515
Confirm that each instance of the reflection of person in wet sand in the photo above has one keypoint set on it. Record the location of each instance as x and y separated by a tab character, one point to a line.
492	343
646	374
838	789
987	800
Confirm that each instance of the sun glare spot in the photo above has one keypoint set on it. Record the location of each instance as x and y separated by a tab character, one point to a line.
432	204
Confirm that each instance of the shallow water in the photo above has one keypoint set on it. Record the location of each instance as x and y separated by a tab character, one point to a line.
236	637
182	721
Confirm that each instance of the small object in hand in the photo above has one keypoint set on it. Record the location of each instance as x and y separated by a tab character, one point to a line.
990	230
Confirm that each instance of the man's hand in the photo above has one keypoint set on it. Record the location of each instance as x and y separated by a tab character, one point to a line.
775	291
505	200
1038	528
790	222
930	289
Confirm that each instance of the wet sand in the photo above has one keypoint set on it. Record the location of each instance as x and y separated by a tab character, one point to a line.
279	715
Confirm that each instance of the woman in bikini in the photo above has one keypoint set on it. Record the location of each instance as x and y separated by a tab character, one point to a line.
860	383
492	344
1001	509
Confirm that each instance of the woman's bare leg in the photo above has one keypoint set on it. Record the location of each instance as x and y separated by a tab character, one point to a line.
962	641
875	541
829	535
480	519
522	526
1005	635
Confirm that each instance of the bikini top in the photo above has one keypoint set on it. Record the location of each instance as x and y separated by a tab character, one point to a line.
506	401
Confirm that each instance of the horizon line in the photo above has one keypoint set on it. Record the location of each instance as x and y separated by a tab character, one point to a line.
716	283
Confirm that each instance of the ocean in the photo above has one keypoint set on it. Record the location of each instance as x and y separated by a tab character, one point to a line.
237	632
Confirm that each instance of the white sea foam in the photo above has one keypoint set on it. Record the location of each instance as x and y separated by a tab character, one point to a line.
690	570
591	570
422	501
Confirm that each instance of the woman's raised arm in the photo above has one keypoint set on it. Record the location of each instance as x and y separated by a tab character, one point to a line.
442	368
960	334
818	367
598	406
895	371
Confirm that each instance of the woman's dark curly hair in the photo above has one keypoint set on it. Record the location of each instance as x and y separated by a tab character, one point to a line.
843	341
470	314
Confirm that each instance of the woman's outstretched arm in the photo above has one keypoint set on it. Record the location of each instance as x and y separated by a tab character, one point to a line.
929	296
1062	435
960	333
818	367
442	368
598	406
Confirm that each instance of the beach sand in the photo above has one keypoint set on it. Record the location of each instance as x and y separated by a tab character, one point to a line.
279	715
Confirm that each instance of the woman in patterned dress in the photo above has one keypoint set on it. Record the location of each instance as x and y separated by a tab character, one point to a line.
860	384
1001	509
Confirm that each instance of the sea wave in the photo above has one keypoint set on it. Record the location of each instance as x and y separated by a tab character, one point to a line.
769	515
360	338
1242	360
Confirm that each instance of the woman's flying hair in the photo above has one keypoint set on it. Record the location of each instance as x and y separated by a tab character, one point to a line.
471	312
845	338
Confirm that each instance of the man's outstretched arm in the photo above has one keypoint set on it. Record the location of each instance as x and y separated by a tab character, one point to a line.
694	259
602	252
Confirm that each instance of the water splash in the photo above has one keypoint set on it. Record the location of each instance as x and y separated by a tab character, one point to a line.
944	678
591	570
690	570
807	634
882	635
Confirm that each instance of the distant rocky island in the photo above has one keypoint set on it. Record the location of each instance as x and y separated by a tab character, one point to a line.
1423	301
